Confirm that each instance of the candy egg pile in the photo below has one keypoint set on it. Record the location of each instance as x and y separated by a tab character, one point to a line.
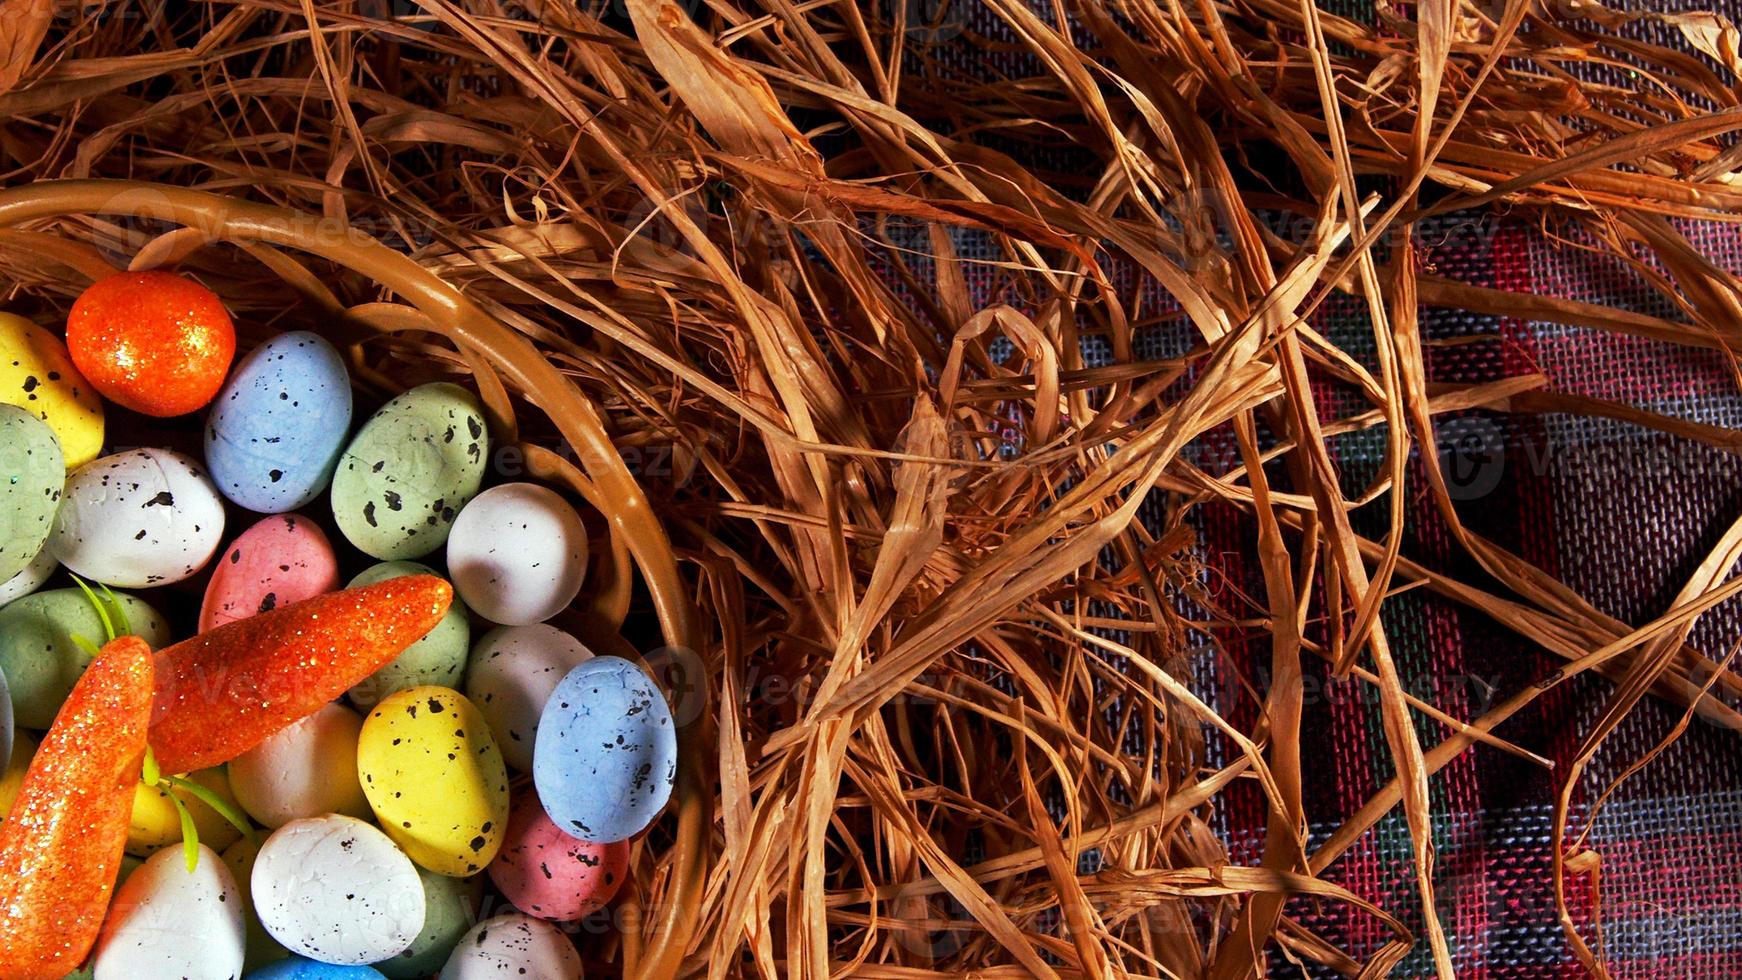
291	748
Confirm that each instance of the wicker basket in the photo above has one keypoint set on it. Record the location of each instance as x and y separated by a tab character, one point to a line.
495	354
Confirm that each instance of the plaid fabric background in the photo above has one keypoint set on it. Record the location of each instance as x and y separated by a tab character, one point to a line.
1618	512
1622	515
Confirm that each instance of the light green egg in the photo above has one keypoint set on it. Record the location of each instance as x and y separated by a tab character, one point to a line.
414	464
450	907
129	864
32	472
261	947
439	658
38	652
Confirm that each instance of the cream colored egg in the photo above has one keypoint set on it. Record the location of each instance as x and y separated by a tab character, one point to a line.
510	675
305	770
518	554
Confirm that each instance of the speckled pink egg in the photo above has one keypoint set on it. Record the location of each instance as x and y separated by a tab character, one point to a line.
550	875
281	560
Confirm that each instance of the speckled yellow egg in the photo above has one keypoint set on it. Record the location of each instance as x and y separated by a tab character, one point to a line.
23	747
435	779
156	823
37	375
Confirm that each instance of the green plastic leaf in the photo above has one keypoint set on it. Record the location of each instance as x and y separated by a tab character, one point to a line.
118	611
152	775
97	604
190	834
86	645
236	817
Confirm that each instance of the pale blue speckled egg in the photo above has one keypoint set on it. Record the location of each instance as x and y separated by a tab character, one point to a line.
276	428
606	751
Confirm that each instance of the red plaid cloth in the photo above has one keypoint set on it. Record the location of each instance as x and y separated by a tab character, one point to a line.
1621	514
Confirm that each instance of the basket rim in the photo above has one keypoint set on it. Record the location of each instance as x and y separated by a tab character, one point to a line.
449	312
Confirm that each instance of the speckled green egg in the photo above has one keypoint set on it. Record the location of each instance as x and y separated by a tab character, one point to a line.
414	464
32	473
261	947
439	658
38	653
435	779
450	906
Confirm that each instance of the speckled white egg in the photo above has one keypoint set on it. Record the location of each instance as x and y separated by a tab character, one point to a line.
510	676
139	518
337	890
518	554
513	946
305	770
167	921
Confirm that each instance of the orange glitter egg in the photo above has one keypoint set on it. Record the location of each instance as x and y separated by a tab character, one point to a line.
60	848
155	342
230	688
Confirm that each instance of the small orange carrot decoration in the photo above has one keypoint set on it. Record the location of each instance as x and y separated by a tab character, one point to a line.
60	848
226	690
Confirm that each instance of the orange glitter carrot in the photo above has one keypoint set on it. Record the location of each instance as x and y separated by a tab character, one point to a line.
60	848
226	690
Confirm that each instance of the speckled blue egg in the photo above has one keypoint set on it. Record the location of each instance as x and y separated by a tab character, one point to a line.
297	968
276	428
606	751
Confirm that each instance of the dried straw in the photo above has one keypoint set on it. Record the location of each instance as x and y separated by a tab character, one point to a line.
786	258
